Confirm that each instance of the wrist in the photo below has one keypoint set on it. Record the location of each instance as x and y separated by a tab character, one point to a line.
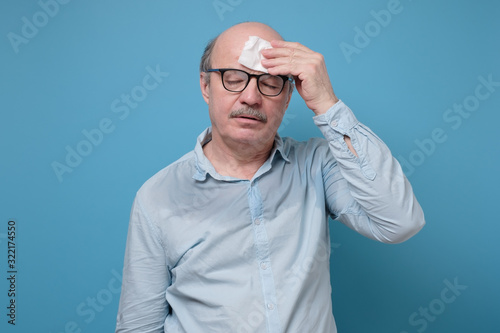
323	107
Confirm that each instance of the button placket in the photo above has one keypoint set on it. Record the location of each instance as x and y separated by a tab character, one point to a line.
263	256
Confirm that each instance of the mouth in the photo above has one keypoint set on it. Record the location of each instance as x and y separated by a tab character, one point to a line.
249	115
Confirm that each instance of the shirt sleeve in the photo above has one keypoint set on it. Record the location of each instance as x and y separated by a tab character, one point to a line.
369	192
143	306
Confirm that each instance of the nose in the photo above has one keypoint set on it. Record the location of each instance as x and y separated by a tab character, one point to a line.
251	95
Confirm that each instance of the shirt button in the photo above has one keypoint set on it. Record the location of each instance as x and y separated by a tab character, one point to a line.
263	265
257	221
270	306
334	123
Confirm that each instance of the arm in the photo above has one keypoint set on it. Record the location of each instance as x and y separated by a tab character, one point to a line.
370	193
309	70
143	307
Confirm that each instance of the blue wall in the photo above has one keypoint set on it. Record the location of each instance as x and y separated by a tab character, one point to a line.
426	79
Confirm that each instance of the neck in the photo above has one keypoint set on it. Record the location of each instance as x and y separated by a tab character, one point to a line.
238	160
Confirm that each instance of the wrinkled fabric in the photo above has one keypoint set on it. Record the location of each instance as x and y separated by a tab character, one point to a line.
211	253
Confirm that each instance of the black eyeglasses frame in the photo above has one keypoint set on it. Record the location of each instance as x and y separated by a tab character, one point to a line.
256	76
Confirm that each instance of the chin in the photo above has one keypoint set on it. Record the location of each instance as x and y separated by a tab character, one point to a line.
252	137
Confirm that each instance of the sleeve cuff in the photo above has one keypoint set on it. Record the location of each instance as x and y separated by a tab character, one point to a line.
339	118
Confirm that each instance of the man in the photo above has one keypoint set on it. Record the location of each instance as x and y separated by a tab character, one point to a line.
233	237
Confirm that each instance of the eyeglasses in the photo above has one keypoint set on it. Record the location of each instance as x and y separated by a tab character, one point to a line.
236	80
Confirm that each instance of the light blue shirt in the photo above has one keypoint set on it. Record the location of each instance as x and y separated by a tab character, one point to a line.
210	253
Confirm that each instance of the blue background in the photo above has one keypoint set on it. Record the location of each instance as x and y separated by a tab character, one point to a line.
71	229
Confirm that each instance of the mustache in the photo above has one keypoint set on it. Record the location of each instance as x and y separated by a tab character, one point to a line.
250	113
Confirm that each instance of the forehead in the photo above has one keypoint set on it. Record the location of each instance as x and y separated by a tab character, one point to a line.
230	43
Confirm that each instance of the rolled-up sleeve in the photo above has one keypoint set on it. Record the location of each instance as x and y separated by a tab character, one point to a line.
369	192
143	306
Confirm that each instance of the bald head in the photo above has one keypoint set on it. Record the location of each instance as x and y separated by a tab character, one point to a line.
231	42
235	37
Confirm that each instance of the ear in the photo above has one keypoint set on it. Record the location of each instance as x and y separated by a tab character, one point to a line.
204	86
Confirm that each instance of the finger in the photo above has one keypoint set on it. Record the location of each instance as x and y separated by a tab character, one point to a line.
285	52
291	45
294	61
308	63
283	57
285	69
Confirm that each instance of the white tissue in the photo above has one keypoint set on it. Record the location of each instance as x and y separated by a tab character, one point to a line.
250	56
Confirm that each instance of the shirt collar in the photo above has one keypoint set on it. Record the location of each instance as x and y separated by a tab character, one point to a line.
204	166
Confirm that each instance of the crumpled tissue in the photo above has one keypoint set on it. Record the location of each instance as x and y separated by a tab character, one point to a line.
250	56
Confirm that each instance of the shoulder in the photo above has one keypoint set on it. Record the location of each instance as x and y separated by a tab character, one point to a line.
310	149
175	174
